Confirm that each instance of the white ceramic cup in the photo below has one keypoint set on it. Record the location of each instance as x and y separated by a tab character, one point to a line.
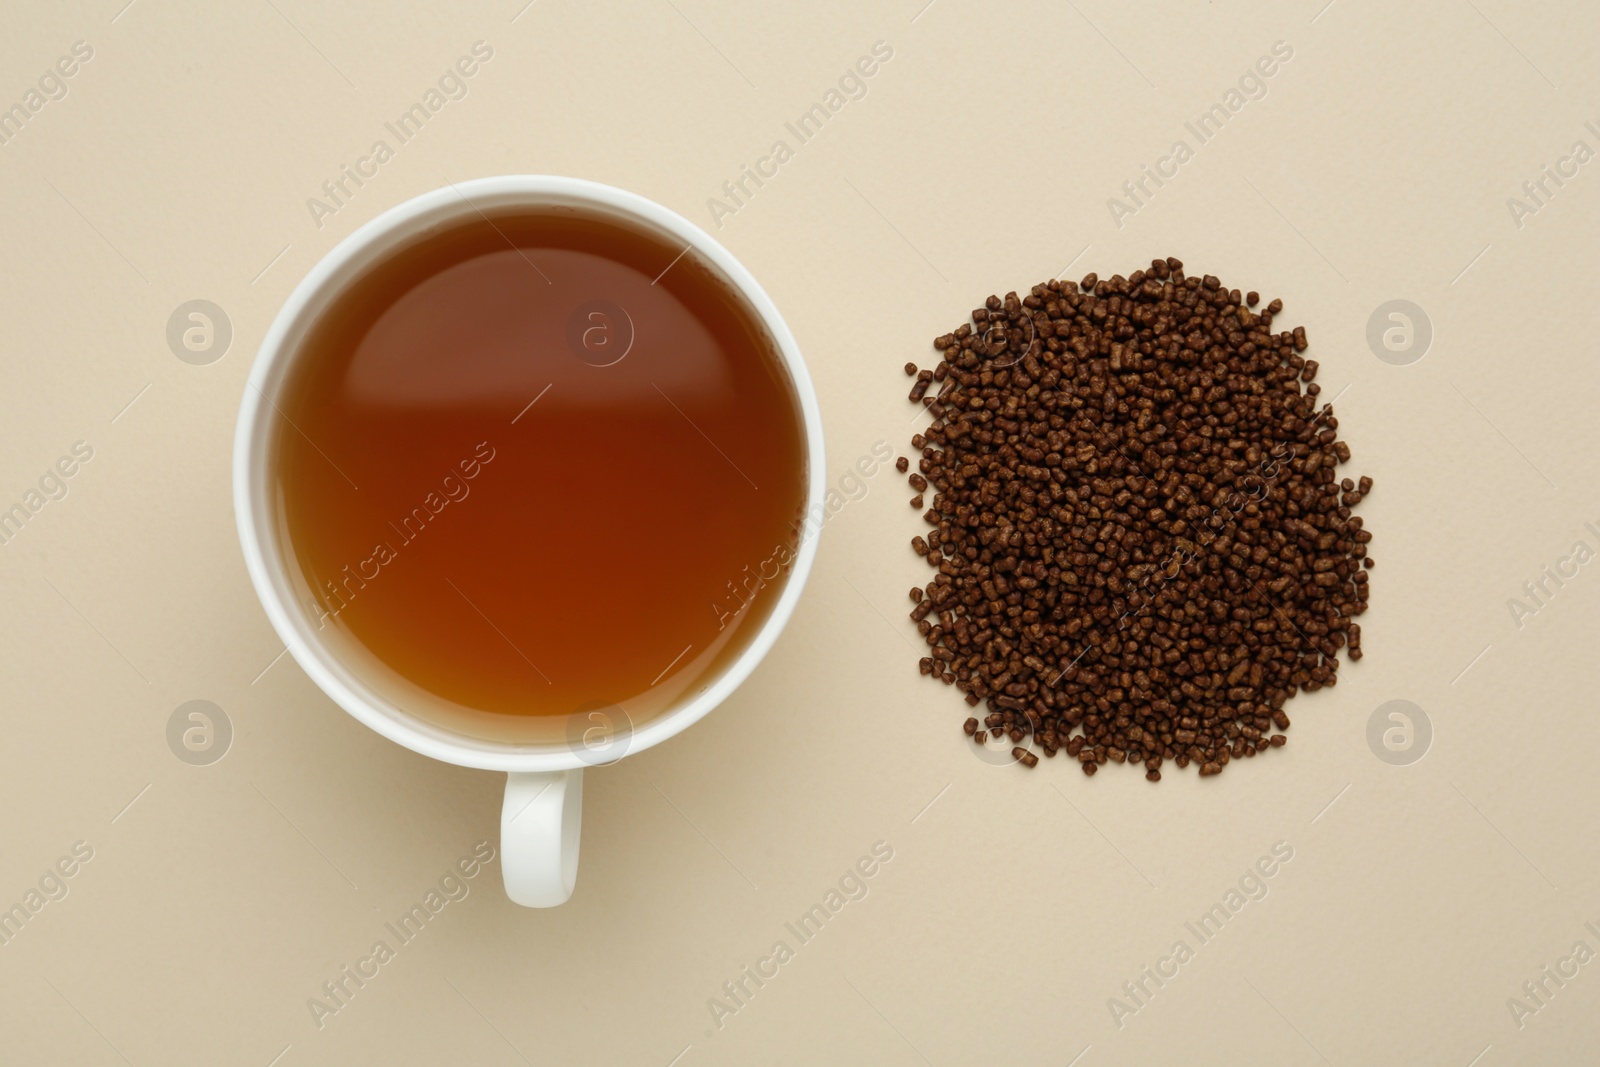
539	823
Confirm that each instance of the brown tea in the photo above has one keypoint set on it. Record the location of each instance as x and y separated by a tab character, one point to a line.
539	463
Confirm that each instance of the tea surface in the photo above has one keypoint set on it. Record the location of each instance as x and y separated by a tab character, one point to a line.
539	464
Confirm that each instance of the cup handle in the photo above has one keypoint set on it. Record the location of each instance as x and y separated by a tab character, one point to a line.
539	827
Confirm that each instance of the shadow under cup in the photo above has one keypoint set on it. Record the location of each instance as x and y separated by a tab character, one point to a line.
537	475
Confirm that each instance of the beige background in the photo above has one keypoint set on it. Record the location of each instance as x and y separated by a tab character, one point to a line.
1377	167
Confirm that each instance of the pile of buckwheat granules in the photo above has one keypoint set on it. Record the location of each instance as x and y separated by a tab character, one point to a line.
1141	544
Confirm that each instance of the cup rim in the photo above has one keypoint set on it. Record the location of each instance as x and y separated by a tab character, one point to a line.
253	513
